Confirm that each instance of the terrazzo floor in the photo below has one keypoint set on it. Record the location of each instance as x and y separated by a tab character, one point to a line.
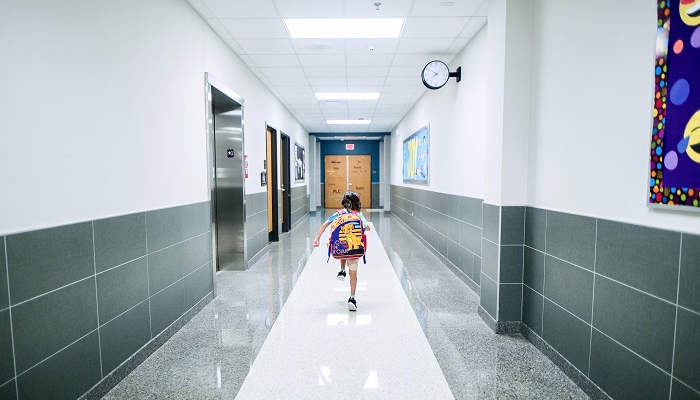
211	355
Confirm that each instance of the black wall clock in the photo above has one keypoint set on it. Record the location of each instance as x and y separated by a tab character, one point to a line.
436	73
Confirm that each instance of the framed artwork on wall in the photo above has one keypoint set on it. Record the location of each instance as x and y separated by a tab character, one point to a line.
299	163
416	157
674	178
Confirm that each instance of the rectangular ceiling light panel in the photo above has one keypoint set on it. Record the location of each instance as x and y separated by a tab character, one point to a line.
347	95
348	121
344	28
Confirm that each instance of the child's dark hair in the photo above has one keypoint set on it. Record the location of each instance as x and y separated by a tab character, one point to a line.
351	201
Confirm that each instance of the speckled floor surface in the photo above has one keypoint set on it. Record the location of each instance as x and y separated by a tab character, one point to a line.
210	357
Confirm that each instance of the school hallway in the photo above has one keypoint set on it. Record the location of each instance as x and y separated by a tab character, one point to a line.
281	330
529	169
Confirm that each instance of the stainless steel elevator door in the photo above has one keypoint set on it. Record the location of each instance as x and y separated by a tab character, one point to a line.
228	147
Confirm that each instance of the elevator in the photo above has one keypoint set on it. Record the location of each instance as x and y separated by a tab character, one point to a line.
226	158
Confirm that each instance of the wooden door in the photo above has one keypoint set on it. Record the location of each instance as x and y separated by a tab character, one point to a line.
345	173
270	187
336	180
272	196
360	178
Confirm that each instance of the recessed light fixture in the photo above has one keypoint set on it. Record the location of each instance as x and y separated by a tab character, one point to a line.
347	95
348	121
344	28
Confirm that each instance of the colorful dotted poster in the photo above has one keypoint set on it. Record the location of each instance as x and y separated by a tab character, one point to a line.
675	142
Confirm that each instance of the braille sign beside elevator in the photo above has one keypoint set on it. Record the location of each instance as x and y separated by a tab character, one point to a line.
229	153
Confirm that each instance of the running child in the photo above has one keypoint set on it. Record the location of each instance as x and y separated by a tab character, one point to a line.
351	204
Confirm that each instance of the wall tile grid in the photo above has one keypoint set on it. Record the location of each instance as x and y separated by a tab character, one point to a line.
620	302
300	203
80	299
376	190
256	223
450	224
502	267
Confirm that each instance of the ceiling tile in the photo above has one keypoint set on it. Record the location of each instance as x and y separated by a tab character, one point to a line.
392	8
405	90
326	81
201	8
431	8
425	45
362	110
233	44
319	46
242	8
368	71
369	60
325	72
219	28
293	90
365	87
333	106
310	8
322	60
278	76
255	28
473	26
402	80
275	60
266	46
433	27
418	60
335	87
402	71
336	115
248	60
366	80
381	46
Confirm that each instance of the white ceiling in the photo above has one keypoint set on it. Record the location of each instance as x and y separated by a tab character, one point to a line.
294	69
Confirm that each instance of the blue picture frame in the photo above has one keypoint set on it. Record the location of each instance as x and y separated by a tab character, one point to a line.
416	157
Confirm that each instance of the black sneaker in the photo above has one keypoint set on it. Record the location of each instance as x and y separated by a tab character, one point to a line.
341	275
352	304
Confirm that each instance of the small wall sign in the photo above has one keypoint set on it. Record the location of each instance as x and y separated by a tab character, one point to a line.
245	165
349	146
229	153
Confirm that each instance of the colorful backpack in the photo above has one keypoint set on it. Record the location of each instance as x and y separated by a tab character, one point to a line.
348	240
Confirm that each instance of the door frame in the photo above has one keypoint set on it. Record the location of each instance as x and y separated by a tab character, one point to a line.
209	81
347	176
272	169
286	182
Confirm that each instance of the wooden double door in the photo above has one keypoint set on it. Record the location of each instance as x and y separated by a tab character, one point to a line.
345	173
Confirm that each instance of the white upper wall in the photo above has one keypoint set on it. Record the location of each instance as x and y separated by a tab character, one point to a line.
102	109
457	117
593	83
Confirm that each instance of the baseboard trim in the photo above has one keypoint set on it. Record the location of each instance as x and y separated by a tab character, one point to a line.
257	256
458	272
129	365
578	377
487	318
298	221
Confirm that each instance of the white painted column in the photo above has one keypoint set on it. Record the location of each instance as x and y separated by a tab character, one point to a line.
509	101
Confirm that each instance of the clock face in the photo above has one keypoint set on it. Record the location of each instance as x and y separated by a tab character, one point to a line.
435	74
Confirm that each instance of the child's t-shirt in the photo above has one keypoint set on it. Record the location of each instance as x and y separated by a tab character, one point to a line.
337	214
